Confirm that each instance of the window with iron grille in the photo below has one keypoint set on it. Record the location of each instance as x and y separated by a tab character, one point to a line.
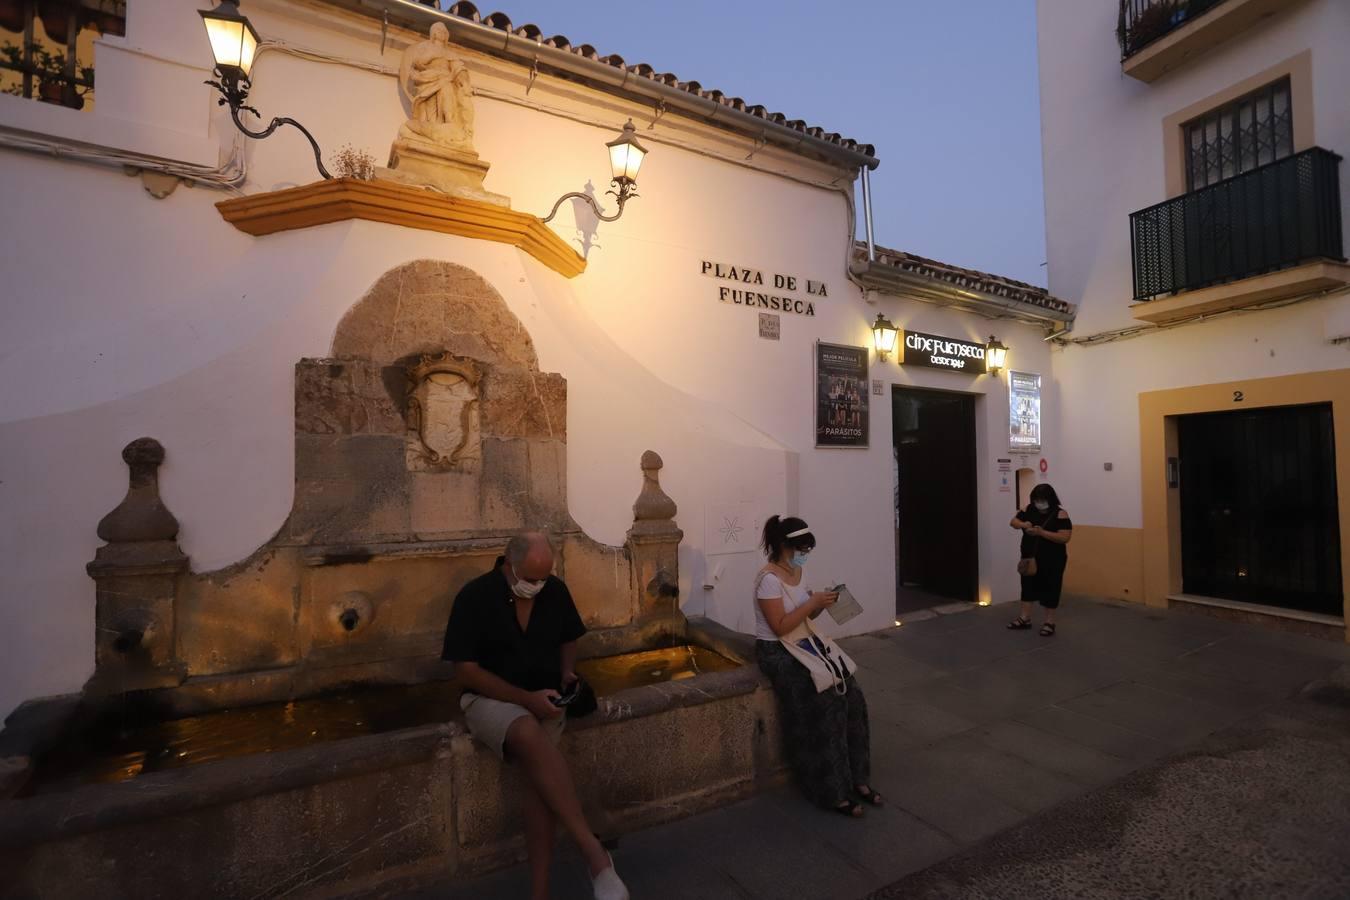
1253	130
47	47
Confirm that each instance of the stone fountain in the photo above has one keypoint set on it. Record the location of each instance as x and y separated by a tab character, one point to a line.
426	438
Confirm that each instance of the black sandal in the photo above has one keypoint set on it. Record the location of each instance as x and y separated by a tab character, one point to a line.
1019	624
850	809
871	796
1048	630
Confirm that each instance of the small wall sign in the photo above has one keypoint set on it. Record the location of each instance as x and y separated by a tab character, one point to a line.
769	326
939	352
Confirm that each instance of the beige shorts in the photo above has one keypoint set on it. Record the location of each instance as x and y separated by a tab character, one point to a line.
489	719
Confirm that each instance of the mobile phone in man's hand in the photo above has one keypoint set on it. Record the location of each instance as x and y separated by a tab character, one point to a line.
569	694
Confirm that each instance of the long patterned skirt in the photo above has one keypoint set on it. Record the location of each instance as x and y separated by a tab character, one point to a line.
825	734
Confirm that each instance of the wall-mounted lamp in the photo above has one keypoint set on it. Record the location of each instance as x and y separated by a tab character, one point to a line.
995	356
883	336
234	43
625	158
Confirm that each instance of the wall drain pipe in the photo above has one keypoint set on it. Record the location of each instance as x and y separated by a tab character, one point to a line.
867	213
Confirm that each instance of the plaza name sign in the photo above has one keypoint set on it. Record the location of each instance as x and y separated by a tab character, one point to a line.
942	353
750	288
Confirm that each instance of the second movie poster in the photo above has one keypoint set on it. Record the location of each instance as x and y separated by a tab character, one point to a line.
841	396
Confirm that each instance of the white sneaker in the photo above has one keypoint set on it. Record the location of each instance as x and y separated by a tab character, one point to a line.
608	886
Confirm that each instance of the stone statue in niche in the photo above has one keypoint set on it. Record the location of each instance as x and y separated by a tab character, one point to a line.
443	416
434	147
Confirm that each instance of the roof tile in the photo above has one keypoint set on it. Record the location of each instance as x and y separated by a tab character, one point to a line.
969	279
502	22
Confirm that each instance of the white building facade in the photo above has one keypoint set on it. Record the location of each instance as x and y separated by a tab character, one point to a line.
133	308
1194	194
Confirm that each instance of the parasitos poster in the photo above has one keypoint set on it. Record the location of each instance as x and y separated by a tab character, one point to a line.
841	396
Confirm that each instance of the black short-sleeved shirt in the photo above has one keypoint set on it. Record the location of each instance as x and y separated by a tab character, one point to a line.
1046	553
483	629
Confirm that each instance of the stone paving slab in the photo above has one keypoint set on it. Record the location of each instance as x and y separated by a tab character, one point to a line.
1261	810
977	730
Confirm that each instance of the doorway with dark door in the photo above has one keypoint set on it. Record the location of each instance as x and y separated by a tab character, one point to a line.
936	517
1259	519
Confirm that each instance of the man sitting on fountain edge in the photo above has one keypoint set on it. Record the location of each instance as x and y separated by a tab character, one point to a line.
512	637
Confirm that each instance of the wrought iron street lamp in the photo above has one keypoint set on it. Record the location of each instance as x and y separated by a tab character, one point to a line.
995	355
884	334
234	43
625	158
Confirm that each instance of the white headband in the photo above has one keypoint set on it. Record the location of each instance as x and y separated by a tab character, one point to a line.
798	533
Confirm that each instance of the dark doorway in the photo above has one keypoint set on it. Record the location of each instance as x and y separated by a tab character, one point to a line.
1259	520
936	535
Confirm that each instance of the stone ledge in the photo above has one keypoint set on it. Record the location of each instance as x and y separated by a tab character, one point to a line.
97	807
1268	287
341	199
1207	30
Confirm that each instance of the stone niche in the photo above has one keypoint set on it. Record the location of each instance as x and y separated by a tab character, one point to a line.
422	442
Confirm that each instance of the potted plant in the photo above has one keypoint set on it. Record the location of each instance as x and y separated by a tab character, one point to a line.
1151	23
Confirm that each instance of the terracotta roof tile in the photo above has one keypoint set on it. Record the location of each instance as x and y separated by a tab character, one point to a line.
502	22
968	279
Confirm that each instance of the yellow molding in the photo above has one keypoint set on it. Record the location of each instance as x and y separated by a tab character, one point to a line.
340	199
1158	412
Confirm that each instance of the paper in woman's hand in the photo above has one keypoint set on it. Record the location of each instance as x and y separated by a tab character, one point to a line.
845	608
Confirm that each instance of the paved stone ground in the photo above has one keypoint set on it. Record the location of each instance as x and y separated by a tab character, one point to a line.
1139	753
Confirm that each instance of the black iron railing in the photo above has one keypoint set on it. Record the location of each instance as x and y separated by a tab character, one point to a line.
1142	22
1275	216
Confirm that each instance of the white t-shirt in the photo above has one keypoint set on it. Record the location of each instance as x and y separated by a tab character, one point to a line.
770	587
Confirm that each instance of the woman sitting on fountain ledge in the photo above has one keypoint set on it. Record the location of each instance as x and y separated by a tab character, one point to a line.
822	707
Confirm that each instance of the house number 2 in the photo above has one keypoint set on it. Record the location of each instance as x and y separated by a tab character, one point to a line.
1238	396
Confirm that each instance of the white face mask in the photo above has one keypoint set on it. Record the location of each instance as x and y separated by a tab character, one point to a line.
527	589
1041	505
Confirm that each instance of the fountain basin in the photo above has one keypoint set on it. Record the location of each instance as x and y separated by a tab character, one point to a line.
416	800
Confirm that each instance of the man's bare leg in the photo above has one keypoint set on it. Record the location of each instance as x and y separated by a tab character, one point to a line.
546	770
540	828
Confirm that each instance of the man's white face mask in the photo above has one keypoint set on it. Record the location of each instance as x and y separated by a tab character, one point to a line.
527	589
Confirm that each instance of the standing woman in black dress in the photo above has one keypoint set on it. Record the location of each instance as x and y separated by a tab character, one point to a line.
1046	530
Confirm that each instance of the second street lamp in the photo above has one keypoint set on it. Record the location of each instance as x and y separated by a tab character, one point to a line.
234	44
625	158
884	334
996	355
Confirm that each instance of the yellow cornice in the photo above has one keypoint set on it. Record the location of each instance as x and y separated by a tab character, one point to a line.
340	199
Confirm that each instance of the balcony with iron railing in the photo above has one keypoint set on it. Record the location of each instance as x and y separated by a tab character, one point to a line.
1157	36
1276	228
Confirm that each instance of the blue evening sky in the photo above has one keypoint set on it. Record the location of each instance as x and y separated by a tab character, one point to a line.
946	91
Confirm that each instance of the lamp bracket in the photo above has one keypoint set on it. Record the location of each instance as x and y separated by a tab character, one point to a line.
621	196
234	94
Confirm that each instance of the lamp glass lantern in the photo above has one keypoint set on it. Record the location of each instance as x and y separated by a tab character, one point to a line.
996	355
884	334
234	42
626	155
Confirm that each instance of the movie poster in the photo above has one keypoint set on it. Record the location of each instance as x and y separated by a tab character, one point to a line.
1024	412
841	396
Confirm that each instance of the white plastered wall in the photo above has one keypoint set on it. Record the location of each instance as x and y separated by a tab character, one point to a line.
1103	149
127	316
